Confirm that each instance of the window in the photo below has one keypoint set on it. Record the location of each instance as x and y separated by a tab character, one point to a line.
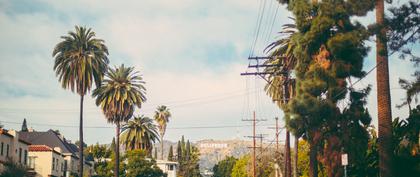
7	150
56	164
53	163
1	150
32	162
171	167
65	165
20	155
25	156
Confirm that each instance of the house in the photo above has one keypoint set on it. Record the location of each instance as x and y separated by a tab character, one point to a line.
12	148
168	167
46	161
68	150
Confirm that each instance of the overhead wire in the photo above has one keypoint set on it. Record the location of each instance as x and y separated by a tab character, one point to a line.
105	127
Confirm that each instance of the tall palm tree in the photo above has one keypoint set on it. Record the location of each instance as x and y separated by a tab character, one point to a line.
119	94
162	116
383	96
81	59
139	133
278	87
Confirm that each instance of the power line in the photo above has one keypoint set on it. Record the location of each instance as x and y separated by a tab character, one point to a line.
259	21
181	104
104	127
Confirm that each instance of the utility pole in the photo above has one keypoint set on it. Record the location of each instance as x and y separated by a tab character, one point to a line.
262	74
277	134
254	142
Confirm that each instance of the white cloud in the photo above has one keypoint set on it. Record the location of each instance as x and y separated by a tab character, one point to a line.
190	54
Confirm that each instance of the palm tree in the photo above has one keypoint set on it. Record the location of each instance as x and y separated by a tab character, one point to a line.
162	116
81	59
139	133
119	94
383	96
280	85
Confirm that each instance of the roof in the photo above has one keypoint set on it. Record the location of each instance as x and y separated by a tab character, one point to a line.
41	148
51	139
5	132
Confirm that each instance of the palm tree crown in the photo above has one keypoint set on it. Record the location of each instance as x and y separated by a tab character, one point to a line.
282	55
121	91
139	133
162	116
80	60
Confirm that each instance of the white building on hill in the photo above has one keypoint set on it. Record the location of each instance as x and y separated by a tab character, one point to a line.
168	167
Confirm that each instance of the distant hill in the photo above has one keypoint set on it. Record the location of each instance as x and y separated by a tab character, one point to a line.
213	151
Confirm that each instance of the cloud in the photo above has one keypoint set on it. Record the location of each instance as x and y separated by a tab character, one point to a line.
189	52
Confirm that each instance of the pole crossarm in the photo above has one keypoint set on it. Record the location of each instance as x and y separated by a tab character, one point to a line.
264	65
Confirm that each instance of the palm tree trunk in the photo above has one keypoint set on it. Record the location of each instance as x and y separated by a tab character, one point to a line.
81	137
288	168
117	151
383	97
295	167
313	162
161	146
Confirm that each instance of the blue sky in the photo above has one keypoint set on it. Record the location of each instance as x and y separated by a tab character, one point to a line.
190	53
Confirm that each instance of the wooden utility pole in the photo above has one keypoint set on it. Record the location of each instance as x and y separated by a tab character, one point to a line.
277	134
287	164
254	147
254	142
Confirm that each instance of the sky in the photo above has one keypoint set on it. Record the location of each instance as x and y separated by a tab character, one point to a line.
189	52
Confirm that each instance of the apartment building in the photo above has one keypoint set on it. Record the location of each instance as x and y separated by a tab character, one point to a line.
12	148
46	161
58	143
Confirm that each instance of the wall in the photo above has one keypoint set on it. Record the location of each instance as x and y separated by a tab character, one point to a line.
44	163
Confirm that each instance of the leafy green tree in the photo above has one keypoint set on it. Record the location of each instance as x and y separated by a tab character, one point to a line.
24	126
81	59
12	169
171	154
224	167
403	24
329	50
162	116
406	144
179	151
303	162
118	95
139	133
139	166
188	158
240	169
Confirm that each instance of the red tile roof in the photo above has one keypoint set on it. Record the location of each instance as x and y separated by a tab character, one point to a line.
39	148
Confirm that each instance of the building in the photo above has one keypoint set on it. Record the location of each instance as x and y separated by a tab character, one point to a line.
12	148
68	150
46	161
168	167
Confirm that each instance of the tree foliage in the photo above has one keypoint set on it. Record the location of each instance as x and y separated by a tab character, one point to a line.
188	157
240	169
139	166
329	49
12	169
140	132
224	167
